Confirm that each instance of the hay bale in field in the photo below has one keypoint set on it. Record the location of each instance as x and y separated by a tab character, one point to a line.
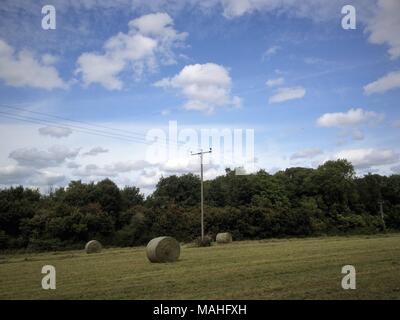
224	237
163	249
93	246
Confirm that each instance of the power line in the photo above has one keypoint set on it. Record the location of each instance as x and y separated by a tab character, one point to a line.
107	135
138	135
140	138
68	119
39	121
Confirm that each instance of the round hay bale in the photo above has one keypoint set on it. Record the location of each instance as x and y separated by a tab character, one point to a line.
224	237
93	246
163	249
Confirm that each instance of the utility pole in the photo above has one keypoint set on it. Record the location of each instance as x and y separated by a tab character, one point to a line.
201	153
381	212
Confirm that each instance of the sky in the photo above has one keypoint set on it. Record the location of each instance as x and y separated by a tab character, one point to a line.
128	89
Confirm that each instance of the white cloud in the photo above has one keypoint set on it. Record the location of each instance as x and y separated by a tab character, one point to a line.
349	118
386	83
306	153
206	86
365	158
285	94
100	69
22	69
111	170
49	59
95	151
270	52
396	124
127	166
55	132
385	25
148	43
155	25
275	82
316	10
396	169
185	165
14	174
149	179
46	178
93	170
54	156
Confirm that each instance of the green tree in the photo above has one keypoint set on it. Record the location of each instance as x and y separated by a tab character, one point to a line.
183	190
131	197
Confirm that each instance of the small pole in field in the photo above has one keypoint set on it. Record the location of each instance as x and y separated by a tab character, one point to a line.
201	153
381	212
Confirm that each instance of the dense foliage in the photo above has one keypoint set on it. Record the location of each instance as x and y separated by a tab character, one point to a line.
294	202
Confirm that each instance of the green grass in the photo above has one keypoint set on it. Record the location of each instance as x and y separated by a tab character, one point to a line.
268	269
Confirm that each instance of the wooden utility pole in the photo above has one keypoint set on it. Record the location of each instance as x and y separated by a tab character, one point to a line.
201	153
381	212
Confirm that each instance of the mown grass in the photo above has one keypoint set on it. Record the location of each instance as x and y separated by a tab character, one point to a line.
267	269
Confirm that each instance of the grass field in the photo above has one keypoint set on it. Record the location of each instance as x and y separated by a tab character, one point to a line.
267	269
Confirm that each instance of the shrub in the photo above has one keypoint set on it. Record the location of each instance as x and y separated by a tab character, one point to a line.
3	240
205	242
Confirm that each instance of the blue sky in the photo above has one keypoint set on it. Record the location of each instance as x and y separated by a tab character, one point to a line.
309	89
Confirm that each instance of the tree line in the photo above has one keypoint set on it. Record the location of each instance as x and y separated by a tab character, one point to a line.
327	200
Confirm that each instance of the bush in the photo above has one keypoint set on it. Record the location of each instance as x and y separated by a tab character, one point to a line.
205	242
3	240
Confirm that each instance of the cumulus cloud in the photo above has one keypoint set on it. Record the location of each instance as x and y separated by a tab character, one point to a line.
388	82
95	151
45	178
22	69
185	165
384	28
365	158
55	132
127	166
148	43
14	174
275	82
54	156
111	170
286	94
385	25
206	86
349	118
149	178
93	170
306	153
